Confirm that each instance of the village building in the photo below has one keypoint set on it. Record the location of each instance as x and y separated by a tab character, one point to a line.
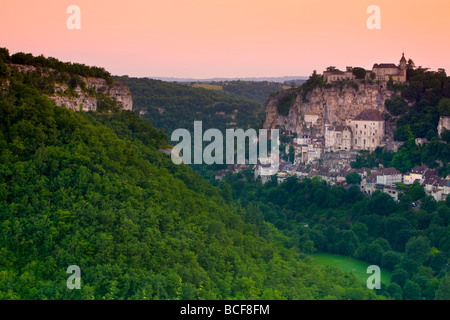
382	72
332	74
416	173
338	137
389	176
367	130
311	119
303	139
363	132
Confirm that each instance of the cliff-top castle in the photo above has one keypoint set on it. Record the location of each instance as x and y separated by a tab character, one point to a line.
382	72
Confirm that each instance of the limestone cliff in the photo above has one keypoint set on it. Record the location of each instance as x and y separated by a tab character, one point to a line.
333	104
85	101
444	124
86	98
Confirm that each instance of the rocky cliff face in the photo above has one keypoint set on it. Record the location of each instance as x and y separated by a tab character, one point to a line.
444	124
85	100
333	105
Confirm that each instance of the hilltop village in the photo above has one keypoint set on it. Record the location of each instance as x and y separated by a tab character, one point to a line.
322	147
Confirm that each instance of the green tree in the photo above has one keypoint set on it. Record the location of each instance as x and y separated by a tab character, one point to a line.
353	178
446	136
3	68
395	291
291	153
396	105
444	107
359	73
361	231
418	249
400	276
411	291
429	204
308	247
443	292
416	192
390	259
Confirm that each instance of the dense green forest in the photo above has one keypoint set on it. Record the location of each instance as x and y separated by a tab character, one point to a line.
75	69
314	217
252	90
92	190
170	106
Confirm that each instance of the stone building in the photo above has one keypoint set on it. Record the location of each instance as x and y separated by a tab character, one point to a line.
389	176
416	173
367	130
332	74
363	132
382	71
311	119
338	138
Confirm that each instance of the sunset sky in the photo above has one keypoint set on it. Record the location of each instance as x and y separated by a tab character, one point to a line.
229	38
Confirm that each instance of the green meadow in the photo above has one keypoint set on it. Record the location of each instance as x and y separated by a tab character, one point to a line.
208	86
347	264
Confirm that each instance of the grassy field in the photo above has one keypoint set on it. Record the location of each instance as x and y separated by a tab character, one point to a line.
347	264
208	86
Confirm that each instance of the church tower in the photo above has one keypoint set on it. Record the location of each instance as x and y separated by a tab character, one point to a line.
403	62
402	67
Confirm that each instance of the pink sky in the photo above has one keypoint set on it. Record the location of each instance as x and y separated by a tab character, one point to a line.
229	38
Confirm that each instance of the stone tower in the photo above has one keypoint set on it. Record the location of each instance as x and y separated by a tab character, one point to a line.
402	66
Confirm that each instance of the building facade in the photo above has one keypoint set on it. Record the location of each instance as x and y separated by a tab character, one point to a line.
382	71
389	176
367	130
363	132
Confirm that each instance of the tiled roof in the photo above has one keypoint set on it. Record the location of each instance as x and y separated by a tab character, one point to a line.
389	171
384	65
369	115
419	169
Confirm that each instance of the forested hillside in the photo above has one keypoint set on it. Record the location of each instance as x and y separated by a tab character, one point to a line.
314	217
92	190
252	90
170	106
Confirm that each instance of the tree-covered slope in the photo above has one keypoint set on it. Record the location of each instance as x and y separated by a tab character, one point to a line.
170	106
93	190
413	243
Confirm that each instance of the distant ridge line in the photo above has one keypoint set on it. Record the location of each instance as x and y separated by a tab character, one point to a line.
270	79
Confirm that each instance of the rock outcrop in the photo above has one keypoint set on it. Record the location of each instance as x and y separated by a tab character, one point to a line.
85	100
444	124
333	104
